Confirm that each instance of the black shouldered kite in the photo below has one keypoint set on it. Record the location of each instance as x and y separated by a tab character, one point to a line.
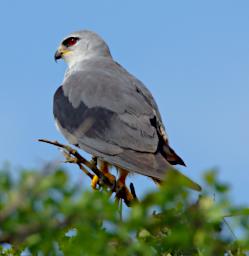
104	110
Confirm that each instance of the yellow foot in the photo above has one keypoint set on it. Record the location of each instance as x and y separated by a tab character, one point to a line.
110	177
123	192
128	194
94	181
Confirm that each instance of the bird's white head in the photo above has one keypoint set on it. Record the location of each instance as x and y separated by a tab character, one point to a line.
81	45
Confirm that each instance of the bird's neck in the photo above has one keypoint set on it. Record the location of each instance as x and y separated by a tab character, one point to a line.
82	64
77	58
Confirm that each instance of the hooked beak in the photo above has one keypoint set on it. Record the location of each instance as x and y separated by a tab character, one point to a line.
57	55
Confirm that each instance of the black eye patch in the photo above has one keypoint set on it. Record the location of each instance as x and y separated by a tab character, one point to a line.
70	41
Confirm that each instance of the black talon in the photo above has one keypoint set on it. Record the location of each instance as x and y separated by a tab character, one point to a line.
133	192
113	187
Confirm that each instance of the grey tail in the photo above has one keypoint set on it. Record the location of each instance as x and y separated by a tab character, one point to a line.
171	156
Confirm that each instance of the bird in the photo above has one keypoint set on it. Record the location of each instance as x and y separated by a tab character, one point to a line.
104	110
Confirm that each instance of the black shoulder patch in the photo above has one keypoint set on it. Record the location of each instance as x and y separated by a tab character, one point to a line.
68	116
71	118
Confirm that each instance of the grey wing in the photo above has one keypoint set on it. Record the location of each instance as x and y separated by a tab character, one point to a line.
143	90
110	115
98	109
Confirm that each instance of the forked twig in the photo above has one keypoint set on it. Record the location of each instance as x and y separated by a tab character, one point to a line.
72	156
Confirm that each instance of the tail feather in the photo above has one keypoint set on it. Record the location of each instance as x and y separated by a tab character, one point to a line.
171	155
187	182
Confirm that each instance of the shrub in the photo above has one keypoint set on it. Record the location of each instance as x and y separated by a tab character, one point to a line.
43	213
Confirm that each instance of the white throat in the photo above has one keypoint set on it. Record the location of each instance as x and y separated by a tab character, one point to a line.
73	59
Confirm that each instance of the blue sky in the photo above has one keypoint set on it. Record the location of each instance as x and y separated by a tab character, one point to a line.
192	55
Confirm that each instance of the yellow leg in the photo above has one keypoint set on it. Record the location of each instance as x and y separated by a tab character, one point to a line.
122	177
121	184
104	168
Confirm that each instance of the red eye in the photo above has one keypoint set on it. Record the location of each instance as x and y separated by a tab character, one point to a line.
70	41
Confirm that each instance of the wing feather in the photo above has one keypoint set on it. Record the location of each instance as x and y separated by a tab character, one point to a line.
112	115
106	110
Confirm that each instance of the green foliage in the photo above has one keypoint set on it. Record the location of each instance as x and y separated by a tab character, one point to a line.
43	213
